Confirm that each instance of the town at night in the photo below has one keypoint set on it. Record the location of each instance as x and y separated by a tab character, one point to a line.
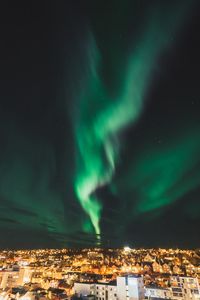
99	274
100	150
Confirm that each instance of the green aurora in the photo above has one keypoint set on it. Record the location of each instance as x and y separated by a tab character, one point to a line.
102	116
162	175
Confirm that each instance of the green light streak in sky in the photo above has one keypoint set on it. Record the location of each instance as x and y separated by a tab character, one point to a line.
102	117
163	175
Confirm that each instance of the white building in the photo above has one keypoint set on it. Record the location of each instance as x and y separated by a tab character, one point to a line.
186	288
126	287
130	287
158	292
101	291
105	291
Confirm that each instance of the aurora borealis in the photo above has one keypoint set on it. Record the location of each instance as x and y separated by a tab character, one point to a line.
99	127
100	124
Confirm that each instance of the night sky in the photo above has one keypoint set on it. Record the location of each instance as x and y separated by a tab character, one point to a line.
100	123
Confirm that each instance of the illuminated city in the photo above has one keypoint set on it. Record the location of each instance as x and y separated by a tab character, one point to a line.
67	273
100	150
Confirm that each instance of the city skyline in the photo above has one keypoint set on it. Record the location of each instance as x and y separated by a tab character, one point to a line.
100	274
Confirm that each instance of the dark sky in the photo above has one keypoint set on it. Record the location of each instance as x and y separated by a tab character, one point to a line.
100	124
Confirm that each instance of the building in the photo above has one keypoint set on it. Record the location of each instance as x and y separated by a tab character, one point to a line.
185	288
84	288
25	275
9	279
130	287
101	291
106	291
126	287
15	278
182	288
158	293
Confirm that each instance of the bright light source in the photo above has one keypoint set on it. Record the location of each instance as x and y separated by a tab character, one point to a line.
127	249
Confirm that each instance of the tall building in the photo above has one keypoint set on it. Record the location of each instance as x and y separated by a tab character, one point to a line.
130	287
